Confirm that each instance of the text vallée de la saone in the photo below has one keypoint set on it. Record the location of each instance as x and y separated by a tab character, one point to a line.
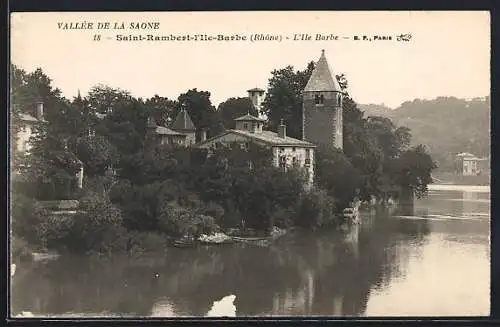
85	25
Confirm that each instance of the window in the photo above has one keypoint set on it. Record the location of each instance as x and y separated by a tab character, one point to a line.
295	162
339	100
282	162
319	99
293	149
308	154
245	126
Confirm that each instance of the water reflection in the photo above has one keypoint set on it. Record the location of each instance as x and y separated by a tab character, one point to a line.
304	273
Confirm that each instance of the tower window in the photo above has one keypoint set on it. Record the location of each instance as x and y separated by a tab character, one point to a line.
319	99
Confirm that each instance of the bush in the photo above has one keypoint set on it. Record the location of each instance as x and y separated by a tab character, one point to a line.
20	249
143	242
97	227
27	216
317	209
179	221
214	210
284	217
55	232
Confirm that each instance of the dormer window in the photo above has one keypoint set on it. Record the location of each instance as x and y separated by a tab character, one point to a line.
319	99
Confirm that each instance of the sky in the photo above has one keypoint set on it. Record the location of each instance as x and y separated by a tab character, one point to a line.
448	53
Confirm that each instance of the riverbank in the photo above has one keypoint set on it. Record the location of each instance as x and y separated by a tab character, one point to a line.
460	187
455	179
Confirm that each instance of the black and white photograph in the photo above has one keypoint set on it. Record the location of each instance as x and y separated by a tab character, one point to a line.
250	164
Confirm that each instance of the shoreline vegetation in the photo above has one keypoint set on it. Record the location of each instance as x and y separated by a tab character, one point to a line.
139	197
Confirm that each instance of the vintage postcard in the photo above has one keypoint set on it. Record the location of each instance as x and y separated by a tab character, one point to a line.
250	164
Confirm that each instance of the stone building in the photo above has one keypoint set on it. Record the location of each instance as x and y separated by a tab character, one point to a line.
322	107
184	125
28	123
181	132
468	164
287	151
256	95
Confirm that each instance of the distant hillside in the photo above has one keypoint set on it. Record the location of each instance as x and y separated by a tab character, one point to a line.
376	110
447	125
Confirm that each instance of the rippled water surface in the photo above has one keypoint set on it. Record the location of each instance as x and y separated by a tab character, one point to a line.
432	259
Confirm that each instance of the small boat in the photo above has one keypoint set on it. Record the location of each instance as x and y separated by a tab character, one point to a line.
216	238
185	242
262	241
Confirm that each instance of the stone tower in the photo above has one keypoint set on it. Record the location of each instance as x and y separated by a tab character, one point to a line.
322	107
256	95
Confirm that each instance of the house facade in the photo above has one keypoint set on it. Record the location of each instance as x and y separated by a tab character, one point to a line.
468	164
286	151
181	132
184	125
28	123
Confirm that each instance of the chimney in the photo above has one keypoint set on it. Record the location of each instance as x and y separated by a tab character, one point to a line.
282	129
203	135
39	110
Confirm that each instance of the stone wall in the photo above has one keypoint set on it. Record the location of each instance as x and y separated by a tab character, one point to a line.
322	124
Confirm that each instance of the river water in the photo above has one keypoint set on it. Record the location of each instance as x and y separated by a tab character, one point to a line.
432	259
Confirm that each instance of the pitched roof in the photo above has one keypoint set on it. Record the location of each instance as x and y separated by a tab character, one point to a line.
321	79
248	117
161	130
29	118
465	154
267	137
256	89
183	122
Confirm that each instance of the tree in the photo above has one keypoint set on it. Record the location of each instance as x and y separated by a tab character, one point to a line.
284	98
412	170
200	109
162	109
97	154
49	162
336	175
102	98
233	108
392	140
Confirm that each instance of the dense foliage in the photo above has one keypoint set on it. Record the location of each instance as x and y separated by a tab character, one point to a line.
137	195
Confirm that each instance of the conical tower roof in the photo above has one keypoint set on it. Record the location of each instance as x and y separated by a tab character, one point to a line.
183	122
322	79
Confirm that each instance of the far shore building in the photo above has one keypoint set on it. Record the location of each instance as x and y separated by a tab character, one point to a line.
287	151
467	164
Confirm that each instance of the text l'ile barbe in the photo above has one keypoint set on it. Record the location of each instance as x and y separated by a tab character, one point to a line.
85	25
